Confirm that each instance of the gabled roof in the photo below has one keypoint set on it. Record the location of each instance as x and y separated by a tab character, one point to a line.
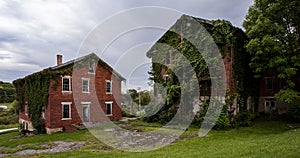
91	55
72	62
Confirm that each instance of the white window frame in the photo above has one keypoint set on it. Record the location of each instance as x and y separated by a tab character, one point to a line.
94	68
111	108
62	83
86	104
106	81
271	109
88	81
62	110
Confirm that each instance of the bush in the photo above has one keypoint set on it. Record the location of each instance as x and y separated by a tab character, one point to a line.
8	118
294	114
163	116
243	118
223	122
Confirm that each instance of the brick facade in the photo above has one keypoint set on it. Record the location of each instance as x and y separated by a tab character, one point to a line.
95	100
269	85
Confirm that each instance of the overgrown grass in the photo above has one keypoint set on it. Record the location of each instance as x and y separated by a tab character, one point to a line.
263	139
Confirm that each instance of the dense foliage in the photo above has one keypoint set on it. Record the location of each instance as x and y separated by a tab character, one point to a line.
8	117
226	36
7	92
273	27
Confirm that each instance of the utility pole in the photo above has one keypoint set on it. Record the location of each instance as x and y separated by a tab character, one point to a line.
139	89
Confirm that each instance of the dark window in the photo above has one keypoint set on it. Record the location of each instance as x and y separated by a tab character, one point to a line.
270	105
167	78
66	84
108	108
108	87
66	110
269	83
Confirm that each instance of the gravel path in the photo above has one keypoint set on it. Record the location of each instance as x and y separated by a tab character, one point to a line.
59	146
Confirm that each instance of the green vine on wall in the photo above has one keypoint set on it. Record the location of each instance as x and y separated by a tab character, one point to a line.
33	89
226	37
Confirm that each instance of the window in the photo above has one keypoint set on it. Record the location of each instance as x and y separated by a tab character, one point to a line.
108	87
92	68
86	111
85	85
167	78
270	105
66	110
269	83
66	85
108	108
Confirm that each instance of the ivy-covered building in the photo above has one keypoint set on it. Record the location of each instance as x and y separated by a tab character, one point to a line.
229	41
244	90
83	91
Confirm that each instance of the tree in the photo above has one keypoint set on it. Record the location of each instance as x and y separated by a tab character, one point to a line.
7	92
144	96
133	93
273	27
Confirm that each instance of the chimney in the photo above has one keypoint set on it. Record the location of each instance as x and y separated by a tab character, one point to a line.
59	59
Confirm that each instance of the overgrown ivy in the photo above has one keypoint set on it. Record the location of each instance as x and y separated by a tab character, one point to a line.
226	36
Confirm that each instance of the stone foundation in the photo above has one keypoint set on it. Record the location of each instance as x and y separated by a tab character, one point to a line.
53	130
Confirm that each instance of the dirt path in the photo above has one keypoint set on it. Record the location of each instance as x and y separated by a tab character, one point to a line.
7	130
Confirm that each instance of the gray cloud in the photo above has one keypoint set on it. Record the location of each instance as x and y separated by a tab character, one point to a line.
33	32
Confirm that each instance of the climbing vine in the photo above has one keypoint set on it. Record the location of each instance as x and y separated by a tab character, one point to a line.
33	89
226	37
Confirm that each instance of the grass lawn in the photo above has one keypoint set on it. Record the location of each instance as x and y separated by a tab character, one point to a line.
263	139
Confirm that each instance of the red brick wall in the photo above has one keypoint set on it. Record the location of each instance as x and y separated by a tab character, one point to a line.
228	62
23	116
262	84
97	98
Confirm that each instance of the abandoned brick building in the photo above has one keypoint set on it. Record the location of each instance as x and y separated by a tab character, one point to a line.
258	93
81	91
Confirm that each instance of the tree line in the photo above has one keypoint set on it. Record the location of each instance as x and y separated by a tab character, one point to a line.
7	92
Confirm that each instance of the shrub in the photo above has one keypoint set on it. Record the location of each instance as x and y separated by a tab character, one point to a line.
223	122
8	118
294	114
243	118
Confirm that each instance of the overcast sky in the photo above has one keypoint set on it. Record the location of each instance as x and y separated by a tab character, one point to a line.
32	32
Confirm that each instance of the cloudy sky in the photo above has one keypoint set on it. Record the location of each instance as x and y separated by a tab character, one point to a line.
32	32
